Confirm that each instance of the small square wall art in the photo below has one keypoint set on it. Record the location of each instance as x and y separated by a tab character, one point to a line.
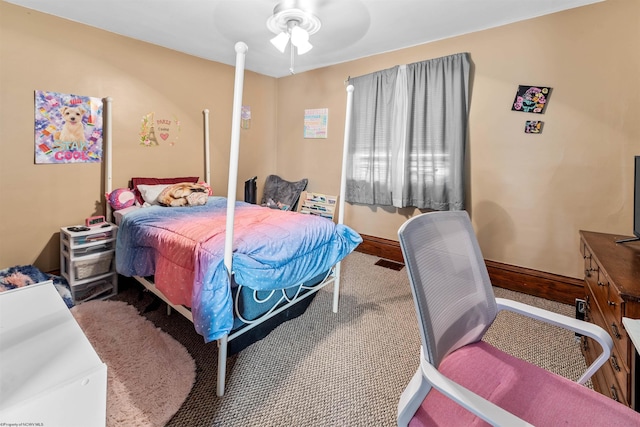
533	126
531	99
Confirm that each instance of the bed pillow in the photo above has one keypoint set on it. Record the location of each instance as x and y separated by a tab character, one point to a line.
156	181
150	193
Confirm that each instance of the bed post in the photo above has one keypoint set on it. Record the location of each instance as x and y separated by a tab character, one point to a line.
207	160
343	187
241	50
107	150
222	364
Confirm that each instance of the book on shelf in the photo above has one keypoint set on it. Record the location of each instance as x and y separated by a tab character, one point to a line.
318	204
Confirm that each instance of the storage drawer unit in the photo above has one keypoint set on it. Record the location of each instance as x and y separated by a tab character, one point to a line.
87	261
611	291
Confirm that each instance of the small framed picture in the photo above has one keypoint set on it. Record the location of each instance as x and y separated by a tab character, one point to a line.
533	126
531	99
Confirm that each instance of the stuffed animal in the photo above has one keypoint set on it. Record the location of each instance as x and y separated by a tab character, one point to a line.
207	186
121	198
184	194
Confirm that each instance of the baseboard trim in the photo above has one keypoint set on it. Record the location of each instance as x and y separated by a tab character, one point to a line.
383	248
534	282
525	280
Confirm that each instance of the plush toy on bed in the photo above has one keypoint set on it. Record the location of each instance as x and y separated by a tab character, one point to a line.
121	198
207	186
184	194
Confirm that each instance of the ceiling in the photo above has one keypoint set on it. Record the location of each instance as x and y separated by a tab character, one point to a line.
351	29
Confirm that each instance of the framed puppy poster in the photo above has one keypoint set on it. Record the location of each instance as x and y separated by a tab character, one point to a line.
68	128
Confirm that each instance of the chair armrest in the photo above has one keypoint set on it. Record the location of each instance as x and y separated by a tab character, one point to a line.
488	411
412	397
580	326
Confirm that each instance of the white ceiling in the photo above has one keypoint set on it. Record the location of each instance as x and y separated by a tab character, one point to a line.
351	29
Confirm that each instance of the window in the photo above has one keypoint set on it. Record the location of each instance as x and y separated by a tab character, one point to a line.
408	135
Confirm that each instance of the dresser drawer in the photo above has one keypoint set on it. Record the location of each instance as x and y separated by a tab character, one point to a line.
612	291
588	259
599	288
613	317
605	381
615	374
611	307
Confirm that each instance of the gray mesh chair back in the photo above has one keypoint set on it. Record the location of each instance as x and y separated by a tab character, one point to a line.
282	191
449	281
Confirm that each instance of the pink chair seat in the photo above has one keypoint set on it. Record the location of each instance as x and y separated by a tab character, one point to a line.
540	397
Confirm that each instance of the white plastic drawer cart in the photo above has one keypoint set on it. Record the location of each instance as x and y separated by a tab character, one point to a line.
87	261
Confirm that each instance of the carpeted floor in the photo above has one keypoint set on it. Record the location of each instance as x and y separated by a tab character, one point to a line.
344	369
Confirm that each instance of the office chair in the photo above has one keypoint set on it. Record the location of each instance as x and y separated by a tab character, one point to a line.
461	379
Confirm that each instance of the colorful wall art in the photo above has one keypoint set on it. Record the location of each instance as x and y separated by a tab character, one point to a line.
531	99
245	115
533	126
68	128
316	122
155	131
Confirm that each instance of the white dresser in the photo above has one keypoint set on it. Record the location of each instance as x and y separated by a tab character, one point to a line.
50	374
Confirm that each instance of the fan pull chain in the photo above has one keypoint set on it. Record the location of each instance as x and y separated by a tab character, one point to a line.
292	58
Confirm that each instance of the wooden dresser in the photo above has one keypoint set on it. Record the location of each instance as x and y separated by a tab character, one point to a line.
612	290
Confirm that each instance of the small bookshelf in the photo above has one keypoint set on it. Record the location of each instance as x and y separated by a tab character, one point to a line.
319	204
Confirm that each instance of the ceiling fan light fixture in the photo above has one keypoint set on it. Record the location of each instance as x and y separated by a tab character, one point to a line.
298	35
303	47
280	41
300	39
293	18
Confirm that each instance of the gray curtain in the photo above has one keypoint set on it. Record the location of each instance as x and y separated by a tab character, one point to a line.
408	135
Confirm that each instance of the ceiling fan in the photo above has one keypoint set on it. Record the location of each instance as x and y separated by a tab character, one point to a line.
293	21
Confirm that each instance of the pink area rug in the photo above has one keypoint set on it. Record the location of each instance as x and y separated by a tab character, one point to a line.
149	373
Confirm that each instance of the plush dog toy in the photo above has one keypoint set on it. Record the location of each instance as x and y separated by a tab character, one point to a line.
184	194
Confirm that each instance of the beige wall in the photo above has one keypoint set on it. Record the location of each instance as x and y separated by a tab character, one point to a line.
528	194
41	52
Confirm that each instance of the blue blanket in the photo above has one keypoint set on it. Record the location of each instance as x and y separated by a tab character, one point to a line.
183	248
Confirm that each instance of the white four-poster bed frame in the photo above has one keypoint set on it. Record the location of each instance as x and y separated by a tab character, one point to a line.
334	276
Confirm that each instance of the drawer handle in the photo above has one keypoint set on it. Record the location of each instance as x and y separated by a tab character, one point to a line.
611	303
614	394
602	284
614	362
616	333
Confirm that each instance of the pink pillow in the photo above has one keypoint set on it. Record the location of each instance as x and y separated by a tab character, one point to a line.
121	198
155	181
